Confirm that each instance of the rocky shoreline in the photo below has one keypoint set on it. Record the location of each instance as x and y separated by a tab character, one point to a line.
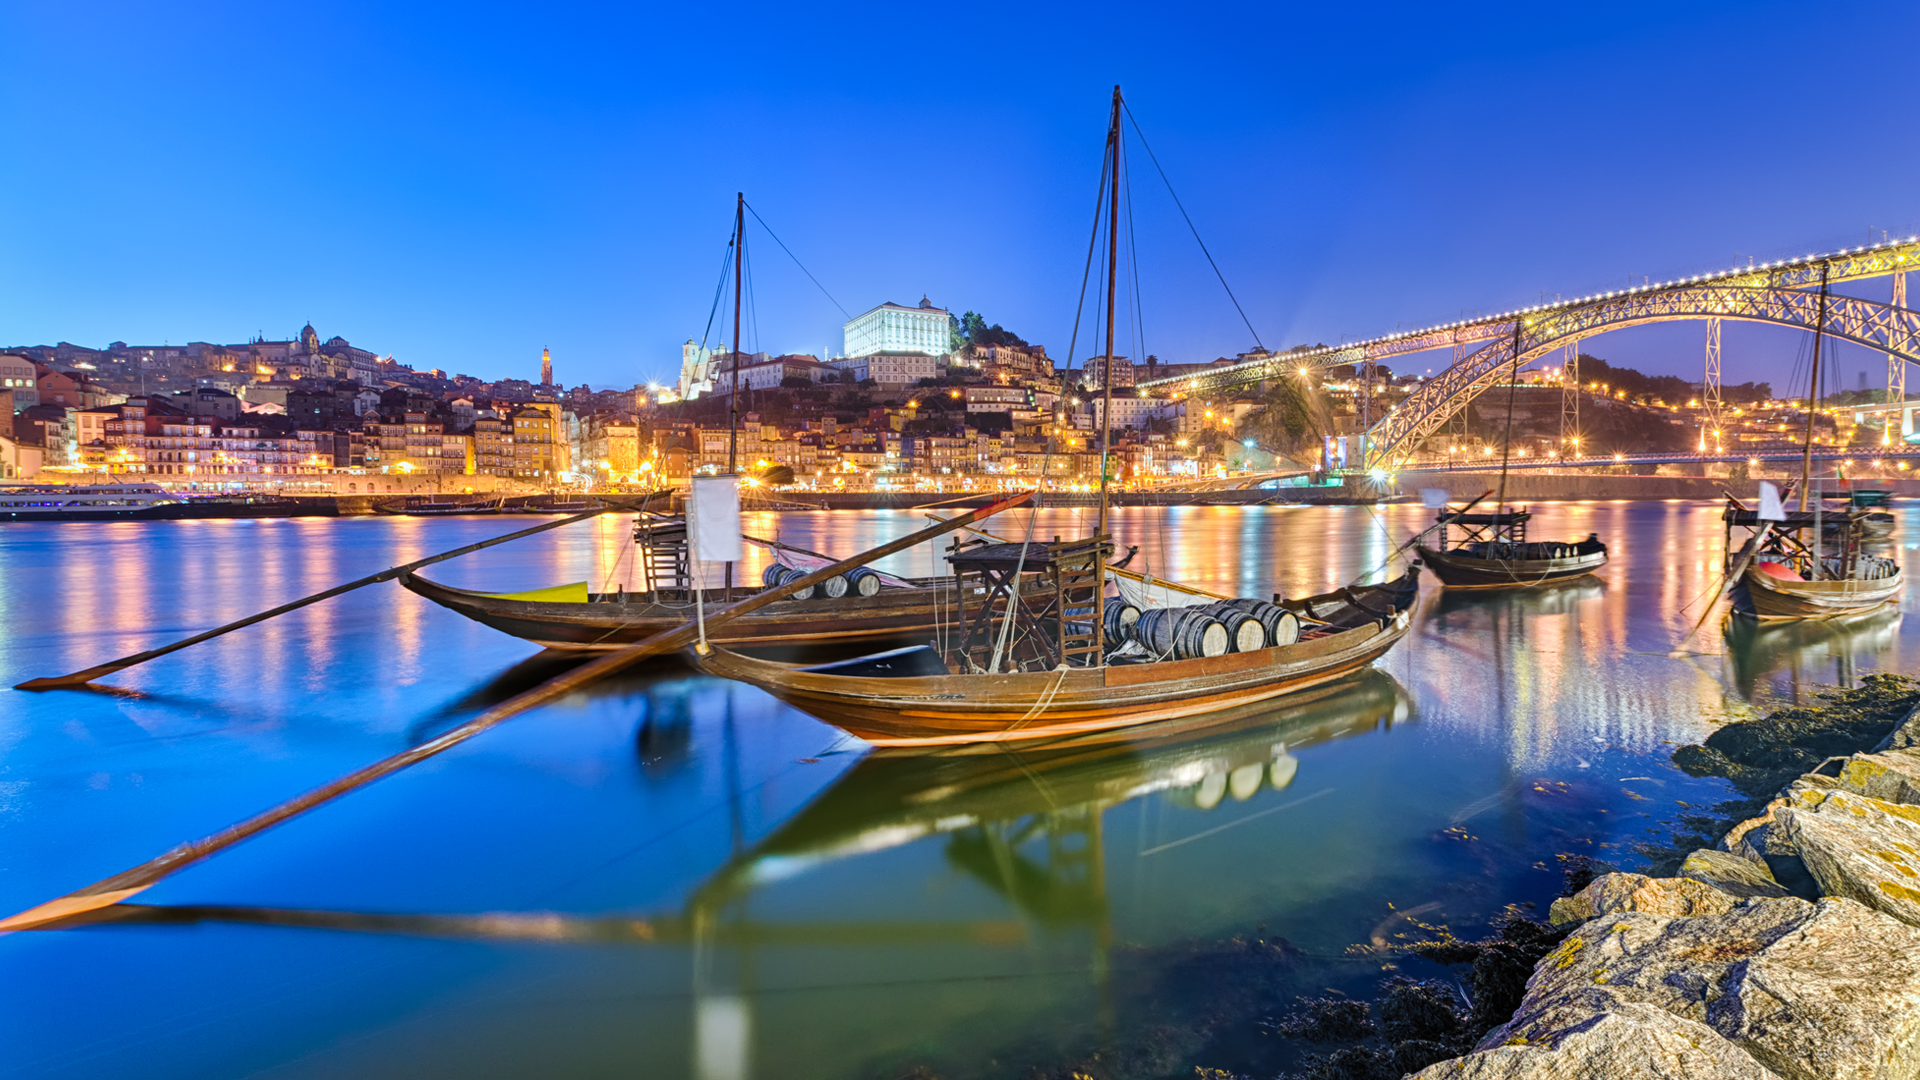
1789	950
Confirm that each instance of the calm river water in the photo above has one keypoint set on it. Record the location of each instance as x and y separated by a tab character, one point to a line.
672	876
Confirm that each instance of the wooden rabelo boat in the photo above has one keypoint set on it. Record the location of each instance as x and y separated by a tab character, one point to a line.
1789	574
910	698
1040	650
891	610
1493	552
1809	564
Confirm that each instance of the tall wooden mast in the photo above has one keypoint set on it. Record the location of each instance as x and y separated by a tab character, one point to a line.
733	399
1113	263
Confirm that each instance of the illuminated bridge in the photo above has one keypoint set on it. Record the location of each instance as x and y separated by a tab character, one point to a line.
1487	350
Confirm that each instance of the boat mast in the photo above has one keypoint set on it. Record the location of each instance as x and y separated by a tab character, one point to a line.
1813	396
1106	379
1113	262
733	399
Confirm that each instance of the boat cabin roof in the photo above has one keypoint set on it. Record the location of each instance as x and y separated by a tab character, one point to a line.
1509	517
1796	519
1040	554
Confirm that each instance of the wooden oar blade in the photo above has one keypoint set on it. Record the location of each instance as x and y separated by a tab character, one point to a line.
66	907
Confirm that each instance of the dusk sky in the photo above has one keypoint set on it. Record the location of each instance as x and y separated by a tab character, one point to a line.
462	185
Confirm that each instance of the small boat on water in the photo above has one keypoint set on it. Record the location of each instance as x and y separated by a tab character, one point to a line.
571	617
1810	564
1789	574
864	610
910	698
429	508
1494	553
133	502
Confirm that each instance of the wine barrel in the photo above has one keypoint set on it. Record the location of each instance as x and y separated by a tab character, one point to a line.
1118	619
782	575
1245	632
1181	633
1283	626
864	581
770	574
834	587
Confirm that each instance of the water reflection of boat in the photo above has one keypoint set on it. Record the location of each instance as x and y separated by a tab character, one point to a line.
989	799
985	800
1757	649
1562	598
1026	824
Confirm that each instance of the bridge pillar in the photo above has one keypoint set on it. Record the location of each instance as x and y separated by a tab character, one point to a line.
1570	401
1711	410
1897	373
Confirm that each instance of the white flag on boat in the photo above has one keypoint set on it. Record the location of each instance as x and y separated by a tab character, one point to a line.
1433	498
1770	506
713	517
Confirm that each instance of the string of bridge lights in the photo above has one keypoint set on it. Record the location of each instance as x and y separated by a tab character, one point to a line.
1590	298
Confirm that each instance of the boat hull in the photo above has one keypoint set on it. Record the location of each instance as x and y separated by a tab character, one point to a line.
947	710
1468	572
174	511
893	615
1763	596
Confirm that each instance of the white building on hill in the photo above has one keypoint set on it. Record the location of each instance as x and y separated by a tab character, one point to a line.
894	328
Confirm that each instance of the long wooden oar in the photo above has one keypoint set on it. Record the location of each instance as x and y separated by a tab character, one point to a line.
1130	575
81	678
1726	584
114	889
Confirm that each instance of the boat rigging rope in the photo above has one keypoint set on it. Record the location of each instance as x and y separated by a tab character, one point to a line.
1190	225
1041	703
796	259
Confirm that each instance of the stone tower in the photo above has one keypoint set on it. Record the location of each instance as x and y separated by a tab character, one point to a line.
546	368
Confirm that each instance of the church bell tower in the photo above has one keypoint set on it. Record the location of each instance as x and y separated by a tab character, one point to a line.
546	368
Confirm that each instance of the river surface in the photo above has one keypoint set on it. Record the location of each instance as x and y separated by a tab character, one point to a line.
673	876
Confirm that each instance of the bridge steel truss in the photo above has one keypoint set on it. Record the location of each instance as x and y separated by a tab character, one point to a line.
1784	292
1876	326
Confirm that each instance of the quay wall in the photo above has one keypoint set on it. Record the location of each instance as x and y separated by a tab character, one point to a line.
1547	487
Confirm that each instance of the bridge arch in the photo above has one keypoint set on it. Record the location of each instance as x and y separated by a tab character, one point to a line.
1873	325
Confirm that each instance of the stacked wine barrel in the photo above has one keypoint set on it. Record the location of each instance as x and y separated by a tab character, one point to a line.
1211	629
859	581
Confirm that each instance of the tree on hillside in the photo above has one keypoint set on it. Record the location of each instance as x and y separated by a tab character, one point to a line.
974	329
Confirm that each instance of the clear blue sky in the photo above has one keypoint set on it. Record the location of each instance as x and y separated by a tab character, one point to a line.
460	185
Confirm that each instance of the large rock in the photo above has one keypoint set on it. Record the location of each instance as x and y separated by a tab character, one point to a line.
1638	892
1762	841
1827	991
1600	1037
1892	776
1732	874
1860	848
